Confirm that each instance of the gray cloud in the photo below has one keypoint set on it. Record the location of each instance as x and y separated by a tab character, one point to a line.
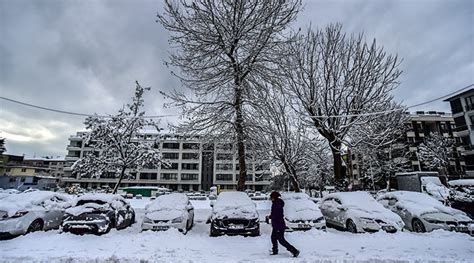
84	56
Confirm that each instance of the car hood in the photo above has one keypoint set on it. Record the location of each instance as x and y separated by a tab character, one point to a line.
246	212
384	215
445	217
164	215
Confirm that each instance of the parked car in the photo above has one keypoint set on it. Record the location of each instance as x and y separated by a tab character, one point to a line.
138	196
7	192
234	213
424	182
462	195
358	212
128	196
301	213
23	213
169	211
98	214
423	213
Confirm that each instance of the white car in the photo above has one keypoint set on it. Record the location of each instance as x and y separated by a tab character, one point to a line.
301	213
358	212
423	213
33	211
169	211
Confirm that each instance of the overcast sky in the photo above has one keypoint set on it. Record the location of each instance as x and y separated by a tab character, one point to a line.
84	56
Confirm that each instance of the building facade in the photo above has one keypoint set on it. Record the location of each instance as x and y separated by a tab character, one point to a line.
462	107
419	127
192	165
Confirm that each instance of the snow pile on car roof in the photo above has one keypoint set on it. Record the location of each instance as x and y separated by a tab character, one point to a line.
434	187
89	203
419	203
234	205
298	206
362	204
168	202
462	182
33	200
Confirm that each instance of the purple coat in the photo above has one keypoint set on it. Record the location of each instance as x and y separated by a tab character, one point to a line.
278	221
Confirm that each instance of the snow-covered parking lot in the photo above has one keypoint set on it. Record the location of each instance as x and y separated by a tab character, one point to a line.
131	245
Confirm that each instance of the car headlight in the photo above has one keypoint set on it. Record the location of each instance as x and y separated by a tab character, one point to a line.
434	221
147	220
177	220
19	214
367	220
318	220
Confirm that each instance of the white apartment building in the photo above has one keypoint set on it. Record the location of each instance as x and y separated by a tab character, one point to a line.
193	165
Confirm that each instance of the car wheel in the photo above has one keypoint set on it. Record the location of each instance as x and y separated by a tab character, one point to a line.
351	226
418	226
213	233
36	225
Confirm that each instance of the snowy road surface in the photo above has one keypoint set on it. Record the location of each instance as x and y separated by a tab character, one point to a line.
131	245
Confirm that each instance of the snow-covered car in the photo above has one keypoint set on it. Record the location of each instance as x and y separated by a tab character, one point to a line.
423	213
301	213
169	211
98	214
462	195
34	211
7	192
358	212
234	213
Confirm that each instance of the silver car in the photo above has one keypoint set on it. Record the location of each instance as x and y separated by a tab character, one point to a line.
301	213
358	212
423	213
169	211
32	211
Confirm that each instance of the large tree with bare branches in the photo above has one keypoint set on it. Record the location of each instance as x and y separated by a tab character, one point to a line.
225	49
337	80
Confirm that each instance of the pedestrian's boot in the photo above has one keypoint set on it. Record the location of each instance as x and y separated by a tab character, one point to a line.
273	252
296	253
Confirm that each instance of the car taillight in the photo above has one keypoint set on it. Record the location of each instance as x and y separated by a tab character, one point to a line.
19	214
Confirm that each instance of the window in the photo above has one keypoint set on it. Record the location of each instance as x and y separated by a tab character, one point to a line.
169	176
170	145
224	177
8	170
189	177
148	176
190	156
263	177
470	103
224	156
190	166
171	156
224	166
190	146
170	166
248	178
23	170
248	165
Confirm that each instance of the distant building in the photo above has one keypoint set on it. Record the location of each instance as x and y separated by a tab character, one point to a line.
194	165
462	107
419	127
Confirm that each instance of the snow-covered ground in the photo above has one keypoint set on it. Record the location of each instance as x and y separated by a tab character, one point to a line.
131	245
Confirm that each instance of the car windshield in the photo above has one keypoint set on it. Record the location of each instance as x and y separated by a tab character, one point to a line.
83	202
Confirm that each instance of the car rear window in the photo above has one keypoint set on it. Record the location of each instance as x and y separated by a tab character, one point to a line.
83	202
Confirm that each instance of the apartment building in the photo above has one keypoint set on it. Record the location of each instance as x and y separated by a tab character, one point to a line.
420	125
462	107
192	164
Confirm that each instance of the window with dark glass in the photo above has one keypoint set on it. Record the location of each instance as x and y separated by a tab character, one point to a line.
224	177
190	156
224	156
190	166
170	145
189	177
224	166
171	156
189	146
148	176
169	176
169	166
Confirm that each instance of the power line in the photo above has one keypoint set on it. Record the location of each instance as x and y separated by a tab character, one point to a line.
76	113
174	115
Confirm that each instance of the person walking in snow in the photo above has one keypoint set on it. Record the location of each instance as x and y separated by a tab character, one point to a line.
278	225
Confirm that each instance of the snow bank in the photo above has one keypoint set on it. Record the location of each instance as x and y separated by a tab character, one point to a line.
419	203
38	200
234	205
298	206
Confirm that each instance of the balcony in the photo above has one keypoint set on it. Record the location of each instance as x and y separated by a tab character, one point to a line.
469	107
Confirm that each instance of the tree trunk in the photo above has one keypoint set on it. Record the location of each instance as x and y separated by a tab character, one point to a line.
122	174
336	154
239	130
292	173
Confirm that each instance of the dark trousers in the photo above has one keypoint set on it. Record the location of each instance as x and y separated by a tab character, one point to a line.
278	236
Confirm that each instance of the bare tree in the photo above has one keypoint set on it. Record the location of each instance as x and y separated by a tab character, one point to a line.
118	143
436	151
334	78
2	146
282	137
225	50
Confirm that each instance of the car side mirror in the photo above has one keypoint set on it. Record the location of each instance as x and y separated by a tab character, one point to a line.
189	207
